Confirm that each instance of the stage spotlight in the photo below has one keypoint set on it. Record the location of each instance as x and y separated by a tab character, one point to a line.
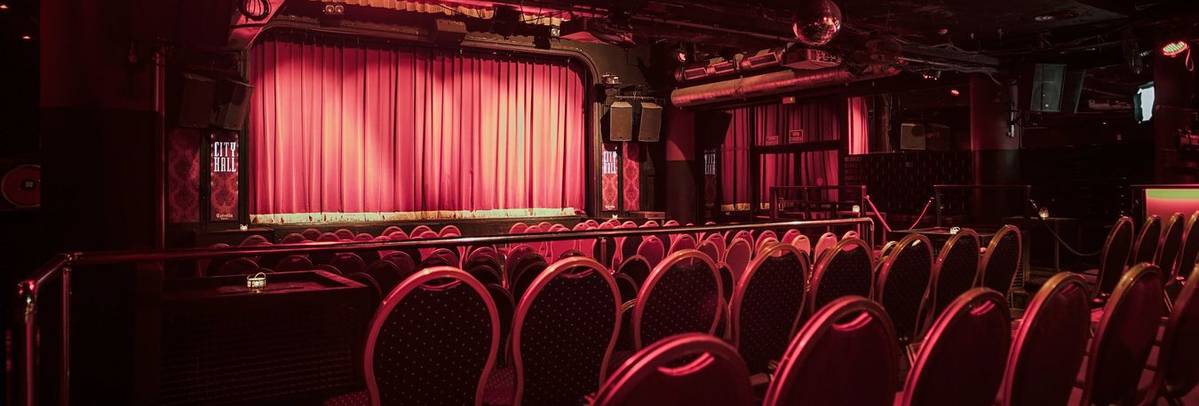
955	92
817	22
1175	48
3	6
683	54
26	38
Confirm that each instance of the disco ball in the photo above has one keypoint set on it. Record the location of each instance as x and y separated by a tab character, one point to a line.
817	22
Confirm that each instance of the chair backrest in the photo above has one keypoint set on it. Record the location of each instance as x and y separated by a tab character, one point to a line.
826	242
637	268
763	244
391	229
311	234
802	243
404	264
765	304
687	369
388	273
348	262
953	274
1117	250
628	247
738	256
961	359
564	331
652	249
235	266
517	228
433	341
1124	337
1171	242
1049	345
902	283
515	254
850	234
1147	241
763	236
525	272
682	294
649	223
846	270
418	230
293	263
790	236
628	287
362	237
397	235
293	238
450	231
328	237
709	248
997	269
1178	361
682	242
744	234
1190	248
717	240
845	355
344	234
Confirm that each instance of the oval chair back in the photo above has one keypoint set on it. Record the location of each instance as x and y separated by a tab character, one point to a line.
954	273
682	242
348	262
1190	249
961	360
687	369
433	341
1049	345
652	249
450	230
682	294
1147	241
902	284
628	248
1001	262
1117	250
344	234
525	272
763	244
563	332
738	256
765	304
1124	337
762	236
803	244
845	355
791	235
850	234
293	263
387	274
1177	371
847	269
1167	250
710	249
418	230
826	242
717	240
636	268
311	234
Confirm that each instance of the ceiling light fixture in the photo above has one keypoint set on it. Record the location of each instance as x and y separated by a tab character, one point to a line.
1175	48
3	6
955	92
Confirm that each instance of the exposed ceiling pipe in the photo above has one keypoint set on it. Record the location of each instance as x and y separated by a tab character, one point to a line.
765	85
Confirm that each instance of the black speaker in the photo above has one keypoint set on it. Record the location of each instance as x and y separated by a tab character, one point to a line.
620	121
651	122
1046	92
1072	89
233	103
195	101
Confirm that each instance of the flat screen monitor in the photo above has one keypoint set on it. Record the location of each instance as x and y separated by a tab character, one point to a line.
1143	102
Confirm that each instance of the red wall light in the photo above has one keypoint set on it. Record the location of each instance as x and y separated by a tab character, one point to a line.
1175	48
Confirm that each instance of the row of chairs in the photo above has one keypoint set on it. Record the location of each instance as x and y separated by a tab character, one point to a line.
436	340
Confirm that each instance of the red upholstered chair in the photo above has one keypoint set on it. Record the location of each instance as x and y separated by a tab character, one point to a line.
682	370
997	269
803	244
592	223
563	333
628	248
961	361
1145	249
441	257
846	270
637	268
649	223
485	259
293	263
628	287
765	304
418	230
1117	249
544	225
682	242
717	240
235	266
710	249
450	231
1171	242
790	236
370	282
826	242
515	254
1049	345
671	223
433	341
763	244
954	273
254	240
767	234
328	237
348	262
652	249
391	229
390	271
360	237
738	256
556	248
682	294
485	272
850	234
1124	338
311	234
344	234
518	228
524	272
1177	370
1189	251
902	284
746	235
293	238
845	355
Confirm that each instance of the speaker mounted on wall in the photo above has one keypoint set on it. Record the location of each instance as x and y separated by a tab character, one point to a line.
620	121
650	124
233	103
196	95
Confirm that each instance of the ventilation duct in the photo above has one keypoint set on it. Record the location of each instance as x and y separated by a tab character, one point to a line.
765	85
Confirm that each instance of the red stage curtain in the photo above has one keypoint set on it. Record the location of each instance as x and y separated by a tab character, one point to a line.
777	124
342	127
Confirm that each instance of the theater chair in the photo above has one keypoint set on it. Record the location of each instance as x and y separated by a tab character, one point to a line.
1145	249
1189	251
682	294
846	270
710	249
765	304
1049	345
826	241
682	242
1171	243
652	249
902	284
637	268
1117	248
997	269
1123	340
954	273
845	355
961	361
524	272
738	256
1176	368
685	369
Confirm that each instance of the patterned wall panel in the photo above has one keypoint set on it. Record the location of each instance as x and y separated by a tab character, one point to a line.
183	176
632	176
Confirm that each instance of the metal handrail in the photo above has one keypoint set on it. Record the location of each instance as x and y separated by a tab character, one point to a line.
60	265
774	194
